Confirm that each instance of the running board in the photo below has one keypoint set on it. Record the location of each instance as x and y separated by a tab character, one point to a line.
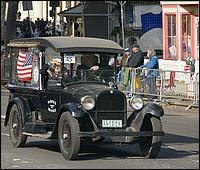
46	136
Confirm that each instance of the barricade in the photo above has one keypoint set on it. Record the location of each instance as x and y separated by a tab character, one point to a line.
161	85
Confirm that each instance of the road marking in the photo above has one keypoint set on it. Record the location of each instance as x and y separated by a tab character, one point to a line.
3	116
24	162
16	159
171	147
195	161
5	134
15	166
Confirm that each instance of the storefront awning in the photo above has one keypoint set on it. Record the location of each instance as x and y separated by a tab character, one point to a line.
74	11
77	11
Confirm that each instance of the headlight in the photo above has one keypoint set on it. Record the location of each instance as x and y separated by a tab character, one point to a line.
88	102
136	103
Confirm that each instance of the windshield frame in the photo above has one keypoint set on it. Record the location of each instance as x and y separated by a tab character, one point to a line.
63	69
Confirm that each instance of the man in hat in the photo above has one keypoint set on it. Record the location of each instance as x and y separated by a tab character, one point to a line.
136	59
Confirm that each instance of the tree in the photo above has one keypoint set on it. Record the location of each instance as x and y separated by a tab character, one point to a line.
3	10
11	21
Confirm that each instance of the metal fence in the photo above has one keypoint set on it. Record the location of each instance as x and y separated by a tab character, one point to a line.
161	85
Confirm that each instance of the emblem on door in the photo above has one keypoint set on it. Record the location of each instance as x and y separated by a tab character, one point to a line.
51	106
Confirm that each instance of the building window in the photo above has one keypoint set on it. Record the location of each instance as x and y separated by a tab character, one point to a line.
186	35
171	37
68	4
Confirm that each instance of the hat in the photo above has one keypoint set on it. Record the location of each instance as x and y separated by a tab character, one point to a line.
135	46
127	49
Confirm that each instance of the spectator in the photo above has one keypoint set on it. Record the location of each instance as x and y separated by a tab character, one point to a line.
125	57
36	32
58	29
48	29
153	71
42	27
19	33
124	73
136	59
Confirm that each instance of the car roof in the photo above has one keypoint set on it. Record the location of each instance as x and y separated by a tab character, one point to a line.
71	44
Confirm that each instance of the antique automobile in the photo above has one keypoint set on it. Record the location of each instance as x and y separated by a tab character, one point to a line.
65	88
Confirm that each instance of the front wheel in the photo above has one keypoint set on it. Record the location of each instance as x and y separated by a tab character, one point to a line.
150	145
68	138
15	127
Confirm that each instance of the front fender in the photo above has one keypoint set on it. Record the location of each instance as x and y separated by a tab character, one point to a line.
149	108
23	107
153	109
74	108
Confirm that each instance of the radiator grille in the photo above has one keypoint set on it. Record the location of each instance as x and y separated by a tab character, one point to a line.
111	106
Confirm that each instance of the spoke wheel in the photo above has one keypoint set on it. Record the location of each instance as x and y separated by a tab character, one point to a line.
15	128
69	141
150	145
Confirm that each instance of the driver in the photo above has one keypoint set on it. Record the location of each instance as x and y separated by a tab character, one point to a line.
88	62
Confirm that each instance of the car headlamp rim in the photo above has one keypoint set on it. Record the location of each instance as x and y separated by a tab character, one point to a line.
88	102
136	103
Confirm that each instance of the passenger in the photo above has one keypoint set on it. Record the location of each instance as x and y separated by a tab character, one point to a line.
54	69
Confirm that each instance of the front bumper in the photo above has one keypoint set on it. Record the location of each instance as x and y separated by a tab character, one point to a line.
120	133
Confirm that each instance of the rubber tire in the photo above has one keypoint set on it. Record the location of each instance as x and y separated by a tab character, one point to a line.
16	136
71	147
150	146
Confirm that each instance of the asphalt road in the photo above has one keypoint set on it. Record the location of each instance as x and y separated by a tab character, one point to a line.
180	148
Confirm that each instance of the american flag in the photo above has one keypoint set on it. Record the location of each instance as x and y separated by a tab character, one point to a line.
24	66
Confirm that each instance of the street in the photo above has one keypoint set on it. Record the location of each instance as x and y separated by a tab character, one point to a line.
180	148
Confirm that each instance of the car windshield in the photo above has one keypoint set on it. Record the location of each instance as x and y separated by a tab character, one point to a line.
89	67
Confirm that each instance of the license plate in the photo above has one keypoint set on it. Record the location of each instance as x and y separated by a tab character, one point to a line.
112	123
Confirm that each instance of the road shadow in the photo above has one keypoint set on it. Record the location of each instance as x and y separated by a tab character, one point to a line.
173	138
116	151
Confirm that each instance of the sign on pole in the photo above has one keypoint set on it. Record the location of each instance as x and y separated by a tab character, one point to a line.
27	5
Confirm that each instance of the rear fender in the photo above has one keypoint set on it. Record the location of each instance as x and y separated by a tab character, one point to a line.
151	109
23	108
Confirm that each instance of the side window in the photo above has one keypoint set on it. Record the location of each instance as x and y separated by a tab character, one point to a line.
53	59
35	68
13	54
25	62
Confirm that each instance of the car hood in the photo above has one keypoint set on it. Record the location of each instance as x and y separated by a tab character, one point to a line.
82	89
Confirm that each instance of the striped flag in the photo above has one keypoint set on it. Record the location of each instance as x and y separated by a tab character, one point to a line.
24	66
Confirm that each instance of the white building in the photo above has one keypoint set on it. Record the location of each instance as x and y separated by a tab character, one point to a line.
41	9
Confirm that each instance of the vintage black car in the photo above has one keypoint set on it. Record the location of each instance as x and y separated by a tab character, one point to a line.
65	88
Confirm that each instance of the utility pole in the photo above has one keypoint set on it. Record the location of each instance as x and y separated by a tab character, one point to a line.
122	3
47	10
54	4
3	11
11	21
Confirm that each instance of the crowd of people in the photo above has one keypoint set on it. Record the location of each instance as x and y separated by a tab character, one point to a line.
134	58
39	28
